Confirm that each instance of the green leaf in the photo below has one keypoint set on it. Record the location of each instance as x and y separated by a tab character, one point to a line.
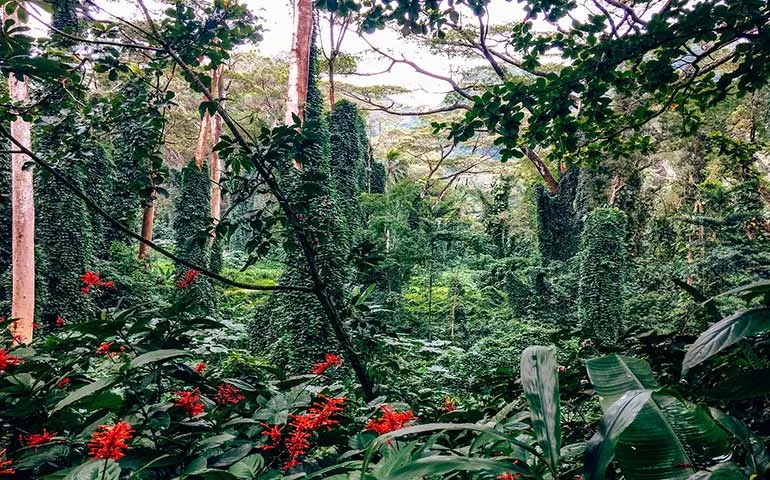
247	468
724	471
725	333
157	356
540	381
98	470
443	464
601	448
758	458
85	391
213	474
34	457
231	455
669	436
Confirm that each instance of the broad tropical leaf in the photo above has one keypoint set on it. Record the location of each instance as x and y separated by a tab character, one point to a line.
443	464
725	333
540	381
669	436
85	391
601	448
157	356
757	456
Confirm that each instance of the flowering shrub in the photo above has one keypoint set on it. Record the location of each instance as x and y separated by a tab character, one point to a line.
93	280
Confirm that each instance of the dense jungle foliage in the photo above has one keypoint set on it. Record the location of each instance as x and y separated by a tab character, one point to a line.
561	271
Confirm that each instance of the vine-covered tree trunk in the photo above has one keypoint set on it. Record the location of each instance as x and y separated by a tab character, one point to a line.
602	268
559	219
63	223
293	329
191	224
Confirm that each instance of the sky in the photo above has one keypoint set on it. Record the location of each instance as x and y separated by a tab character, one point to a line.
276	20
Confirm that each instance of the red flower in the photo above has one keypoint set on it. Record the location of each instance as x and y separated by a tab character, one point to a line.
190	402
199	367
189	278
5	465
36	439
6	360
63	382
509	476
109	441
390	421
93	279
35	325
330	360
59	322
273	433
107	348
228	395
318	416
448	405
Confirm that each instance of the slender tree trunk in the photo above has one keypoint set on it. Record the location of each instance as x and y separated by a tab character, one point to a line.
148	218
203	140
296	95
216	133
22	225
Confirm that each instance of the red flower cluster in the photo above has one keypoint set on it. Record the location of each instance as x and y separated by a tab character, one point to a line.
63	382
5	465
190	402
35	439
390	421
273	433
109	441
107	348
93	279
228	395
509	476
199	367
448	405
59	322
189	278
330	360
7	360
318	416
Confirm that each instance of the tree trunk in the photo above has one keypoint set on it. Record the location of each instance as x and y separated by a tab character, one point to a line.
203	140
22	225
148	218
216	133
296	96
543	170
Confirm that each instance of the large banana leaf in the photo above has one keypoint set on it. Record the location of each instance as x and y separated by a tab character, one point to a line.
601	448
726	332
669	436
540	381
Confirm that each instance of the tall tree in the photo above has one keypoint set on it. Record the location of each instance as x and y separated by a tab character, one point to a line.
23	219
302	31
602	268
63	222
191	230
294	329
348	149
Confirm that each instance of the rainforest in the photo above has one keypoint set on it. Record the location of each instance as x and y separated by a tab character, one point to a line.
385	239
